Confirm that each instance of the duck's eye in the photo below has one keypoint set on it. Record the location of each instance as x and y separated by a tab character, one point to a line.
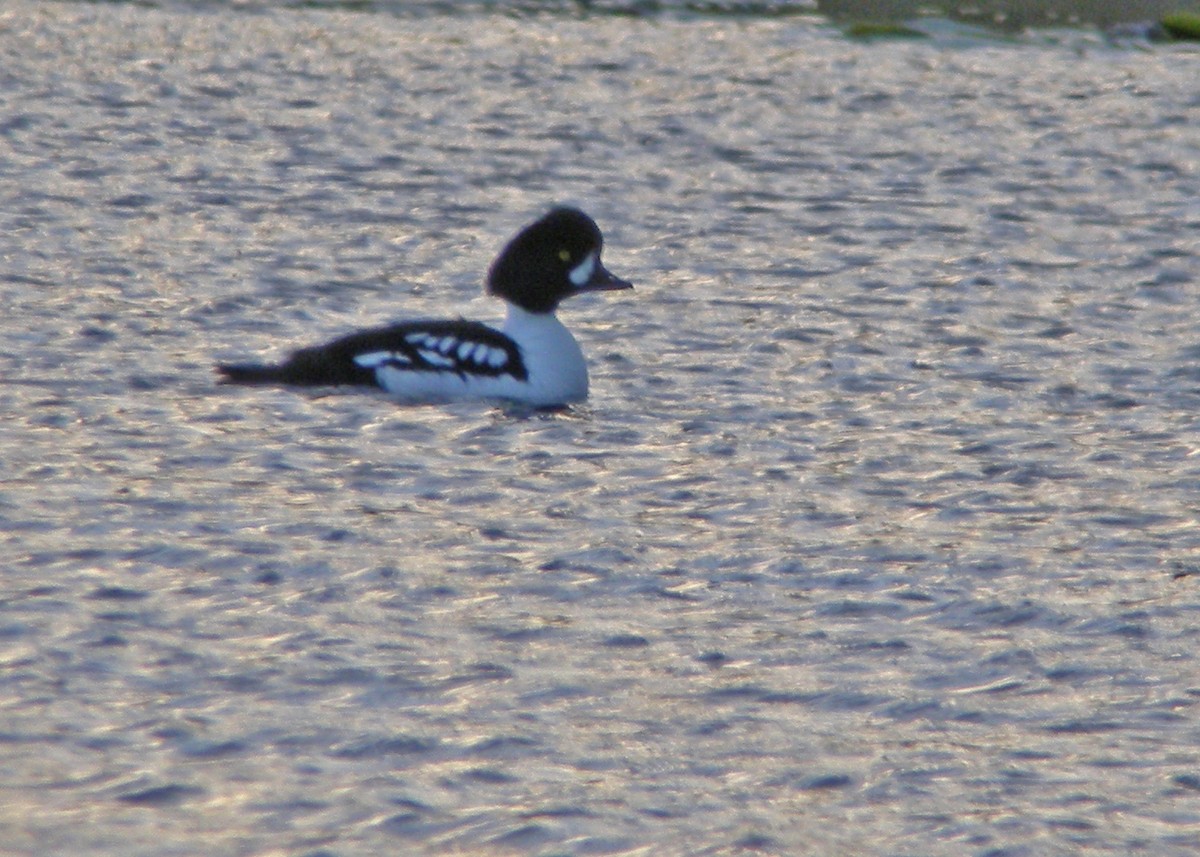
564	255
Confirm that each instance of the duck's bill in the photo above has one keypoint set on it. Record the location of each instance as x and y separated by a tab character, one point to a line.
603	280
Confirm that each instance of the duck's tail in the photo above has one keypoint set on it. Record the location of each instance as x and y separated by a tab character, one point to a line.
253	373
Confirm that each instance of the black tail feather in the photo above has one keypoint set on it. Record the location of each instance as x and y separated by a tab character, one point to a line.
251	373
309	367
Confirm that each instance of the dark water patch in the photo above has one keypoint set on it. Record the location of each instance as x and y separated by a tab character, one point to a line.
589	560
753	842
491	776
969	615
626	641
205	750
117	593
338	676
378	747
505	746
825	782
170	794
519	634
1088	726
875	645
1130	626
859	608
1189	782
564	811
524	836
480	672
132	201
414	820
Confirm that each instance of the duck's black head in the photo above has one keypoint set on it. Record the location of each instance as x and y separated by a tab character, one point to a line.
550	260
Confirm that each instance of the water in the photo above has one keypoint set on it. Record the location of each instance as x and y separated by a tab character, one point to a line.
877	536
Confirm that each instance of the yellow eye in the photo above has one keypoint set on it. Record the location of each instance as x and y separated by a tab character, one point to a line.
564	255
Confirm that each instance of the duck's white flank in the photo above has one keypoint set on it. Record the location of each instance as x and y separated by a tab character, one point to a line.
553	359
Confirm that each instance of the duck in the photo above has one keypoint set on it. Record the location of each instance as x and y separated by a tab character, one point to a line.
531	358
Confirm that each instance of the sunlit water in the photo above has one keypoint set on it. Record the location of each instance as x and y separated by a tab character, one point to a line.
877	536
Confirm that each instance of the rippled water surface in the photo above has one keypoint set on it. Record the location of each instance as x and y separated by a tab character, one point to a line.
877	536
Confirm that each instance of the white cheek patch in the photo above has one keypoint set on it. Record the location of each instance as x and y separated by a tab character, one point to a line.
375	359
582	272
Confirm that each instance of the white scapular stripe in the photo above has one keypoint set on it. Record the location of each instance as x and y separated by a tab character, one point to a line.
375	359
437	358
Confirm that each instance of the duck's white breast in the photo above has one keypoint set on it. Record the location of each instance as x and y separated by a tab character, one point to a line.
557	370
